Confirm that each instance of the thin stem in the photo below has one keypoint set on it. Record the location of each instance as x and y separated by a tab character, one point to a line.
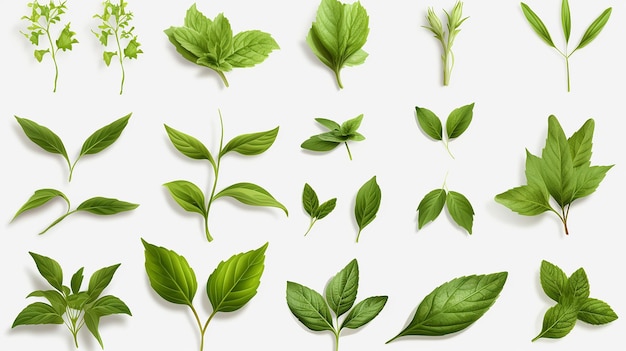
313	220
348	148
564	219
358	235
195	314
121	56
446	143
221	74
54	58
567	70
336	340
216	172
71	168
338	77
56	221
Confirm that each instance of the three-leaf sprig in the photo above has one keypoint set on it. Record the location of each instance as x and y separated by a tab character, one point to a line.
337	134
456	124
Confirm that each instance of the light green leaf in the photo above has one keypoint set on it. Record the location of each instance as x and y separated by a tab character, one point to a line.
66	39
429	122
460	210
310	202
566	20
50	270
195	20
309	307
594	28
363	312
43	137
558	321
251	144
251	194
553	280
104	137
334	136
251	48
77	280
580	144
220	38
188	145
342	288
350	126
318	49
533	173
39	198
188	196
527	200
188	55
105	206
332	125
458	121
358	58
315	143
37	313
39	54
367	203
132	49
430	207
558	170
537	24
107	56
191	41
588	179
596	312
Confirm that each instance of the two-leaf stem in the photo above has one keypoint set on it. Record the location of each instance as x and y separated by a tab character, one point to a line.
201	328
216	171
566	57
313	220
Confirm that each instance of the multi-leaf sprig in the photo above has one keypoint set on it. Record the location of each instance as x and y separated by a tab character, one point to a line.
192	199
338	134
367	204
446	38
96	142
566	22
459	208
231	285
456	124
320	313
338	35
42	18
115	22
313	208
563	172
210	43
573	302
68	304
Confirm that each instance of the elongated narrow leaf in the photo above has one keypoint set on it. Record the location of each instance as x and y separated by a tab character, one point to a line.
104	137
553	280
429	122
57	301
310	202
458	121
105	206
92	322
251	144
342	288
170	275
455	305
364	311
460	210
596	312
49	269
566	20
39	198
558	169
367	203
99	280
187	195
325	208
108	305
43	137
558	321
580	144
309	307
332	125
235	281
251	194
527	200
77	280
188	145
315	143
430	207
350	126
595	28
37	313
537	24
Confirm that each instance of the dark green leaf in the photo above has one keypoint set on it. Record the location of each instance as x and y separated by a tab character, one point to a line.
188	145
533	173
49	269
57	301
43	137
429	122
37	313
558	170
553	280
596	312
342	288
315	143
430	207
92	321
104	137
105	206
350	126
537	24
558	322
458	120
332	125
566	20
576	290
595	28
78	301
588	179
367	203
187	195
251	144
99	280
310	202
309	307
326	208
77	280
527	200
251	194
460	210
364	311
39	198
108	305
334	137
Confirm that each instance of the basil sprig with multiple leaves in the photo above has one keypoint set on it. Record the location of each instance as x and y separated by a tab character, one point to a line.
68	304
210	43
192	199
563	172
320	313
337	134
338	34
456	124
313	208
231	285
459	208
455	305
566	21
367	204
573	302
96	142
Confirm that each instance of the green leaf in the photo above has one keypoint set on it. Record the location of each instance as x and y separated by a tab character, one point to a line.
43	137
92	321
318	48
350	126
105	206
326	208
594	28
57	301
315	143
527	200
537	24
458	121
533	173
99	280
188	55
188	145
363	312
588	179
566	20
107	56
358	58
77	280
132	49
235	281
310	202
49	269
455	305
596	312
251	48
367	203
429	122
37	313
342	288
66	39
188	196
170	275
558	171
580	144
334	136
332	125
251	194
108	305
39	198
251	144
104	137
553	280
460	210
430	207
39	54
309	307
195	20
558	321
576	290
77	301
220	38
192	41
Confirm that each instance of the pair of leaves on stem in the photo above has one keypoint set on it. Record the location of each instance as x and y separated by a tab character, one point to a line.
102	206
459	208
455	305
456	124
573	302
96	142
316	312
210	43
313	208
338	34
70	305
230	287
338	134
563	172
192	199
566	22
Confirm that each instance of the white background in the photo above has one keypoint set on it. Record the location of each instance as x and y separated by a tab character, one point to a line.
515	80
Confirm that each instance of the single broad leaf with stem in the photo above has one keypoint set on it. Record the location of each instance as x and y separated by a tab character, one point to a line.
456	124
313	208
337	134
367	204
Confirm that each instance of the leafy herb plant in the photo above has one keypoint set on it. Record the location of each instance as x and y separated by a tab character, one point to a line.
456	124
367	203
192	199
446	38
210	43
102	206
231	285
338	34
322	313
115	22
590	34
455	305
573	302
313	208
338	134
563	172
96	142
459	208
72	307
42	18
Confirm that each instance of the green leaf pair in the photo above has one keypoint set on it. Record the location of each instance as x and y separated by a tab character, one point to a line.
96	142
456	124
231	285
192	199
338	34
337	134
210	43
322	314
566	21
563	172
102	206
313	208
573	302
459	208
72	307
367	204
455	305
